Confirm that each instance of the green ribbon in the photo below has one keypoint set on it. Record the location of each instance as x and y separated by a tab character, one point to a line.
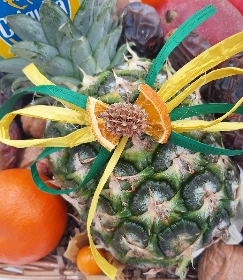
196	110
202	109
180	34
54	91
99	162
193	145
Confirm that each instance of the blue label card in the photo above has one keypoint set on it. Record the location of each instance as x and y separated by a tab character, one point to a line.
28	7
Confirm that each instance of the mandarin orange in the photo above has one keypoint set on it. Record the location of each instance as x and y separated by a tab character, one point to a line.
86	262
32	222
153	3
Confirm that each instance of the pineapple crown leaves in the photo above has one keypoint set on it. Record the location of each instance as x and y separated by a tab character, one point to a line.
58	45
179	80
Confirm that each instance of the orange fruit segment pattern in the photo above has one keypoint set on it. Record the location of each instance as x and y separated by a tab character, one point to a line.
158	121
94	108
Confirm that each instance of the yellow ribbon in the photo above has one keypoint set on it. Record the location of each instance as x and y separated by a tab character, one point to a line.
108	269
75	115
201	64
53	113
213	75
216	125
80	136
35	76
38	79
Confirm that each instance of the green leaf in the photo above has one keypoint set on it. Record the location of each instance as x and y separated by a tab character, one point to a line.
115	24
67	34
100	27
66	81
52	17
27	28
13	65
21	83
106	49
101	54
60	66
85	15
113	41
89	66
106	3
64	44
38	53
181	270
70	30
80	51
119	57
7	80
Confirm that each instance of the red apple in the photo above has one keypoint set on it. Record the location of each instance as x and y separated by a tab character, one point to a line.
238	4
226	22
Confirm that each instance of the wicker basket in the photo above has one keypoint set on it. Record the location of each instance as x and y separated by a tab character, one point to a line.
53	268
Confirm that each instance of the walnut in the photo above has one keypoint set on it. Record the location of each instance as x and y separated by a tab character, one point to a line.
33	127
27	157
221	262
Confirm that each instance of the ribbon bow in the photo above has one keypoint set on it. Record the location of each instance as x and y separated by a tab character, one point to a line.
173	121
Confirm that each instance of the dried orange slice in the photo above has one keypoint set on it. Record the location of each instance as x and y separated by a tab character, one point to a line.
94	108
158	121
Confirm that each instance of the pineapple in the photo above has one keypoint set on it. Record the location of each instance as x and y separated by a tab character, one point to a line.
161	202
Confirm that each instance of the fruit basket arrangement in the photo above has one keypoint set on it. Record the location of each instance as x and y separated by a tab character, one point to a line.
125	123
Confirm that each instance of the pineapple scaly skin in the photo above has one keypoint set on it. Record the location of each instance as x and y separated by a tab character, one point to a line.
161	202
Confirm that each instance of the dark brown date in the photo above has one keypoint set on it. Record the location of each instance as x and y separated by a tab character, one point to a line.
141	25
193	45
228	90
